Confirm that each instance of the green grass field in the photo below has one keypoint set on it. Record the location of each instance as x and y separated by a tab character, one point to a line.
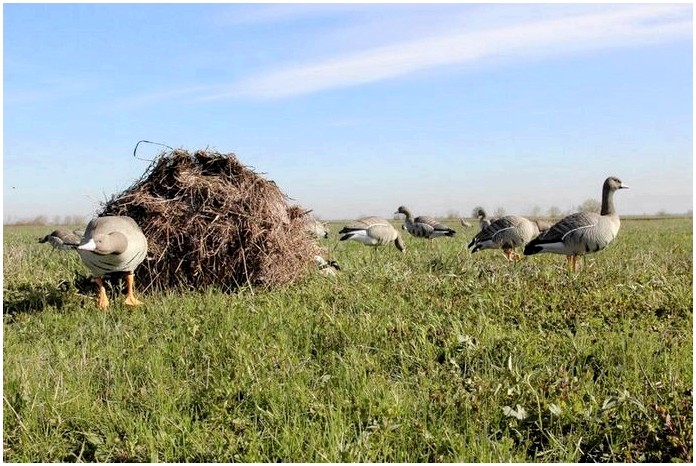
433	355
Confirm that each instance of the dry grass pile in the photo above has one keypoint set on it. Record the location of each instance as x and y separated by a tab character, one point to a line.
211	221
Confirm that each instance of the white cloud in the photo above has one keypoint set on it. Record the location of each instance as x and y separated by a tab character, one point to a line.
624	26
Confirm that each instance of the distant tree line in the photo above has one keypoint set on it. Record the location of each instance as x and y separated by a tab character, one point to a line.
42	220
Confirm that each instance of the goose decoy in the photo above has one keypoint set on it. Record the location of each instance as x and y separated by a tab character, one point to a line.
424	226
583	232
62	239
506	233
327	268
372	231
464	223
482	217
113	244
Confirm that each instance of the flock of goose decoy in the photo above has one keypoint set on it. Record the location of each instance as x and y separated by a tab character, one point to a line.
574	235
114	244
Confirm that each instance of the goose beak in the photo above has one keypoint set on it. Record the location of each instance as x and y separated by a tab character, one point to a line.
623	186
88	246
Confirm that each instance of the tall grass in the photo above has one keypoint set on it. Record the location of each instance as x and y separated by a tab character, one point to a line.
433	355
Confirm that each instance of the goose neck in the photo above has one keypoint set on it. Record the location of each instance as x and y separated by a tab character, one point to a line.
608	201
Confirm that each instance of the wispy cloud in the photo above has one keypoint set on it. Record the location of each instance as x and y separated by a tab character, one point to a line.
625	26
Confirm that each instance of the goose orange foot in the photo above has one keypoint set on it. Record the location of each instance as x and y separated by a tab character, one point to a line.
131	300
102	299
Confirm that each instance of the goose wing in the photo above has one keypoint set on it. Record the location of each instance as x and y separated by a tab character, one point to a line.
568	226
433	227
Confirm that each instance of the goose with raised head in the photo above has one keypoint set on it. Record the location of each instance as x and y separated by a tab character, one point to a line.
583	232
482	217
506	233
62	239
372	231
424	226
113	244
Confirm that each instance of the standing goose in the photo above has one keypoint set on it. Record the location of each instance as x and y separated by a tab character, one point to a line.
62	239
372	231
506	233
424	226
583	232
113	244
483	219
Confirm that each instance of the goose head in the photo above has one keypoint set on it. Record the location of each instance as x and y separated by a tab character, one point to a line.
112	243
613	183
403	210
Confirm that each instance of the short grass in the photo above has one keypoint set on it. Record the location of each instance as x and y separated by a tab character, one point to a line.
433	355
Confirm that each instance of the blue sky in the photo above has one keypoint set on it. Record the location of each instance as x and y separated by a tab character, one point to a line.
354	109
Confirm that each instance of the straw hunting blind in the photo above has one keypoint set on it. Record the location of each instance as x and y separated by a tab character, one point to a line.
211	221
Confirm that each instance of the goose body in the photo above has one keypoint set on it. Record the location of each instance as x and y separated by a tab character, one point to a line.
62	239
424	226
506	233
372	231
583	232
113	244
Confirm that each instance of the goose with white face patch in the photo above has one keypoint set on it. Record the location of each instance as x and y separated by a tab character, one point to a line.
583	232
113	244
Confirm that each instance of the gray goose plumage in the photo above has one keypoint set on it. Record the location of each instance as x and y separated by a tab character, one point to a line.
62	239
483	219
424	226
372	231
506	233
113	244
583	232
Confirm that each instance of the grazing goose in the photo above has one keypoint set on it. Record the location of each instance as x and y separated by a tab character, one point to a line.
506	233
62	239
583	232
424	226
372	231
113	244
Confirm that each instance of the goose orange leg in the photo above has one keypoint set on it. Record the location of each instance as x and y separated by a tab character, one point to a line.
102	299
572	263
131	300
